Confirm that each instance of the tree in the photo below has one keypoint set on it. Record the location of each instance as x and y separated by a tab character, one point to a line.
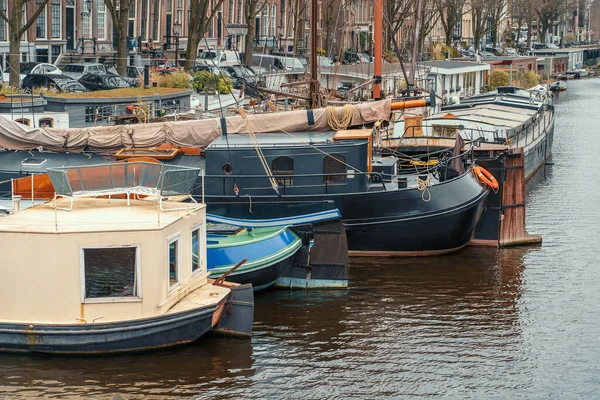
119	13
251	9
330	15
202	13
16	30
395	14
451	12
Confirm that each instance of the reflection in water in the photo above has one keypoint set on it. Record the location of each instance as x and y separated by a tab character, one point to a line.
183	371
480	323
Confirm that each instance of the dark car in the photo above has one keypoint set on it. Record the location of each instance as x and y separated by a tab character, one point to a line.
240	74
351	57
103	82
62	83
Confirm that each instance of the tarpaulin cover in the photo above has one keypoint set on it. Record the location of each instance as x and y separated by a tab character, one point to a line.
194	133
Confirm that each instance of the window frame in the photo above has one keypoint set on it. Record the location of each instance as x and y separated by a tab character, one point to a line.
200	228
176	285
286	179
56	19
138	276
43	17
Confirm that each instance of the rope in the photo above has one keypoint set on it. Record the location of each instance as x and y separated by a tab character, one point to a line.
259	151
250	198
332	117
423	186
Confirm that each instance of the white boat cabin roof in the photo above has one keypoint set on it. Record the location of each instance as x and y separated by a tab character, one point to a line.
265	139
95	215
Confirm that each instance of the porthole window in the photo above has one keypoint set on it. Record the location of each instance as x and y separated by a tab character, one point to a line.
227	168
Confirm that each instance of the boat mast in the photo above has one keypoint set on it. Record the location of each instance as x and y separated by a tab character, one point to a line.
377	51
413	62
314	84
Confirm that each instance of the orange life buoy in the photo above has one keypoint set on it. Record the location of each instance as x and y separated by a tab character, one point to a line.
483	175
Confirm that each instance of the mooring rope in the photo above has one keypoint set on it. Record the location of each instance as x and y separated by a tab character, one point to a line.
332	117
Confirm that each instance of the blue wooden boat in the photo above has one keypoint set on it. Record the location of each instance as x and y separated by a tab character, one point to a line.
272	248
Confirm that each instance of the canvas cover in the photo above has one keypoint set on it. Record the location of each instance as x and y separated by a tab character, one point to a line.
194	133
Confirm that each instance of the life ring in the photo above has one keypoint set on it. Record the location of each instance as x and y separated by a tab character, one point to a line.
483	175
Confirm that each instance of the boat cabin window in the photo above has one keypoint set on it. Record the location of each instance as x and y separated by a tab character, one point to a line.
46	123
23	121
227	168
333	165
111	273
196	256
283	170
173	262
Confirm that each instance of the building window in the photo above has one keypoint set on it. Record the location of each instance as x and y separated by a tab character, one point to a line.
196	256
46	123
173	262
283	169
110	273
240	7
273	19
230	13
23	121
100	20
332	166
3	29
144	19
132	9
40	23
169	5
56	21
55	53
86	25
155	20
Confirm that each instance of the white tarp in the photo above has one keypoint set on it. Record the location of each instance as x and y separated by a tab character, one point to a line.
195	133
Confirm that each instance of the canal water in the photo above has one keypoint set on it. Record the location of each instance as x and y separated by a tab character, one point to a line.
521	322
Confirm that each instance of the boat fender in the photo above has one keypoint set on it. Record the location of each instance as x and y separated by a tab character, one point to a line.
484	176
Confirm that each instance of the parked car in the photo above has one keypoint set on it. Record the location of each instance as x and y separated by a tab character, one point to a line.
95	82
32	68
220	58
494	50
241	73
323	61
76	71
351	57
62	83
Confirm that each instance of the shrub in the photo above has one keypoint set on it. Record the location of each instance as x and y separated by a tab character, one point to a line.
531	79
321	52
498	78
178	80
203	78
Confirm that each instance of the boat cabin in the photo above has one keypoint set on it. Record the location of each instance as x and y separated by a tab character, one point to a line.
301	163
82	264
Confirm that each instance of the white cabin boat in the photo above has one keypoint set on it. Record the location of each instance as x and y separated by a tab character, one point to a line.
85	275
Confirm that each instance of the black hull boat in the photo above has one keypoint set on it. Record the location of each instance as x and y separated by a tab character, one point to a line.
385	223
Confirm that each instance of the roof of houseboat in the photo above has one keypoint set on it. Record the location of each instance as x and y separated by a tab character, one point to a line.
265	139
95	215
491	113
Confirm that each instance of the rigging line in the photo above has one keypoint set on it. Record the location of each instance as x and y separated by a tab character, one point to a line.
309	144
260	153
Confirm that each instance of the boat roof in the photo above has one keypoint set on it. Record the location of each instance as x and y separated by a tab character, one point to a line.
494	114
95	215
265	139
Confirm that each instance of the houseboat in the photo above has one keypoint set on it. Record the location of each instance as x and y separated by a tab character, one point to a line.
88	275
508	117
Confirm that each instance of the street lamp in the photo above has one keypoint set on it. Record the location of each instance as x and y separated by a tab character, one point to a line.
176	33
89	4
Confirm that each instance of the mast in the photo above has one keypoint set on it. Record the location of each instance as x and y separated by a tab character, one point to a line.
413	62
314	84
377	51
